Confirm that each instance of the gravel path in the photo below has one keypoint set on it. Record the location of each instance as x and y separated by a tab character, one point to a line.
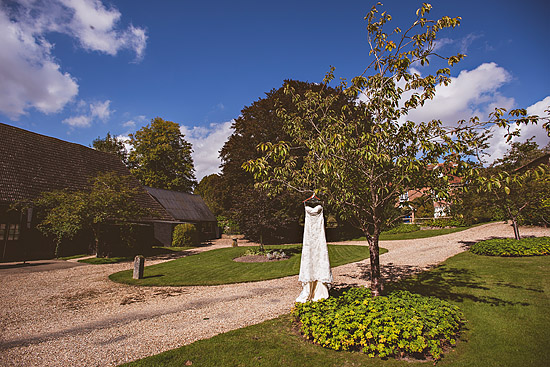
77	316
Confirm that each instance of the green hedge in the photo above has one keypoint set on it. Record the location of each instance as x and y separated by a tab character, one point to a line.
401	324
185	234
533	246
403	228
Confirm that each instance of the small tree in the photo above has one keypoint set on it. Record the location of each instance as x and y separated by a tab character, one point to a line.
514	187
111	199
360	158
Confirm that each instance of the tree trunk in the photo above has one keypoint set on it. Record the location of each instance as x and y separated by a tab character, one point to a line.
516	229
376	279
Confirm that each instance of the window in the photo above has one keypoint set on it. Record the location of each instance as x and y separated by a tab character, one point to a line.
13	232
2	231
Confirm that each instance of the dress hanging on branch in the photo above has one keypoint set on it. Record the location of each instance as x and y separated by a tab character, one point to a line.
315	273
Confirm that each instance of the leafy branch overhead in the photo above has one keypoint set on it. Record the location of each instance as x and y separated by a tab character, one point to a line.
361	156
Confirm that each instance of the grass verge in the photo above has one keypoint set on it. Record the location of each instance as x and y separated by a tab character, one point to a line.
217	267
505	301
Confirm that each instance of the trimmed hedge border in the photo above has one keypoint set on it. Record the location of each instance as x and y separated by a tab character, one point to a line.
401	324
509	247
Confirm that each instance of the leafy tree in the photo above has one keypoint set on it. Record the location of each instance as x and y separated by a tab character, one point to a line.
111	144
111	199
261	218
361	158
161	157
515	188
214	192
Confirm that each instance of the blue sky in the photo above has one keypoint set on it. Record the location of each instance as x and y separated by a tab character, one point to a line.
77	69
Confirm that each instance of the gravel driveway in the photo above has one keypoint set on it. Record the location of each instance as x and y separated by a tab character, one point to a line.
77	316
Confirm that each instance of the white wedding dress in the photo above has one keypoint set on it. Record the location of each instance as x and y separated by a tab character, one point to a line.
315	273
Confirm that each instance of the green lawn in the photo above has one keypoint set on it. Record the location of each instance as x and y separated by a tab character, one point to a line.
217	267
505	301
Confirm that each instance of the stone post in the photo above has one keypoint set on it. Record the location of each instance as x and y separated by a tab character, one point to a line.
139	264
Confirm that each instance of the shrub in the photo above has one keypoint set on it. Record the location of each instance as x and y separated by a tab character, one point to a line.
534	246
185	234
403	228
445	222
401	324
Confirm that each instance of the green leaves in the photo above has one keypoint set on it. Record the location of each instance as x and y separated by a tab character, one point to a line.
508	247
161	157
396	325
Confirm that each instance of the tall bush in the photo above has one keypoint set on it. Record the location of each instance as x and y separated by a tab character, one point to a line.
185	234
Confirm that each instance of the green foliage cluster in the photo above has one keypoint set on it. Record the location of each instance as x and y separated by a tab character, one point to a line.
185	234
161	157
446	222
508	247
403	228
228	225
400	324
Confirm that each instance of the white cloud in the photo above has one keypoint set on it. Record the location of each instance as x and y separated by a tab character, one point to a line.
89	113
30	76
471	93
141	119
78	121
207	143
101	110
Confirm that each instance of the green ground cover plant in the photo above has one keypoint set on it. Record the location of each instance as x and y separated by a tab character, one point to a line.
217	267
400	324
505	302
532	246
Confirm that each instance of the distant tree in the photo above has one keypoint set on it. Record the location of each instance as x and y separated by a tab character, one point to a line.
111	199
214	192
161	157
111	144
518	191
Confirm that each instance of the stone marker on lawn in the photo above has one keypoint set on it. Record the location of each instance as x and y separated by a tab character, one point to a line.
139	264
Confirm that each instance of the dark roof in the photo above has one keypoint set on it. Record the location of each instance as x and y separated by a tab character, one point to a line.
182	206
31	163
545	159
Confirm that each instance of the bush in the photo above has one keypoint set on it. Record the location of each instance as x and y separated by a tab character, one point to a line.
445	222
403	228
535	246
185	234
401	324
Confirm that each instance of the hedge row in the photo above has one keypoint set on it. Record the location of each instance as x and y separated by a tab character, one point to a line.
532	246
401	324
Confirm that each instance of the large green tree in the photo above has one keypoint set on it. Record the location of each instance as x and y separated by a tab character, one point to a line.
111	144
161	157
110	199
261	218
214	192
360	158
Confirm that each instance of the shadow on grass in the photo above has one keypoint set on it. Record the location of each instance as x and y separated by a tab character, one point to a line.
452	284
